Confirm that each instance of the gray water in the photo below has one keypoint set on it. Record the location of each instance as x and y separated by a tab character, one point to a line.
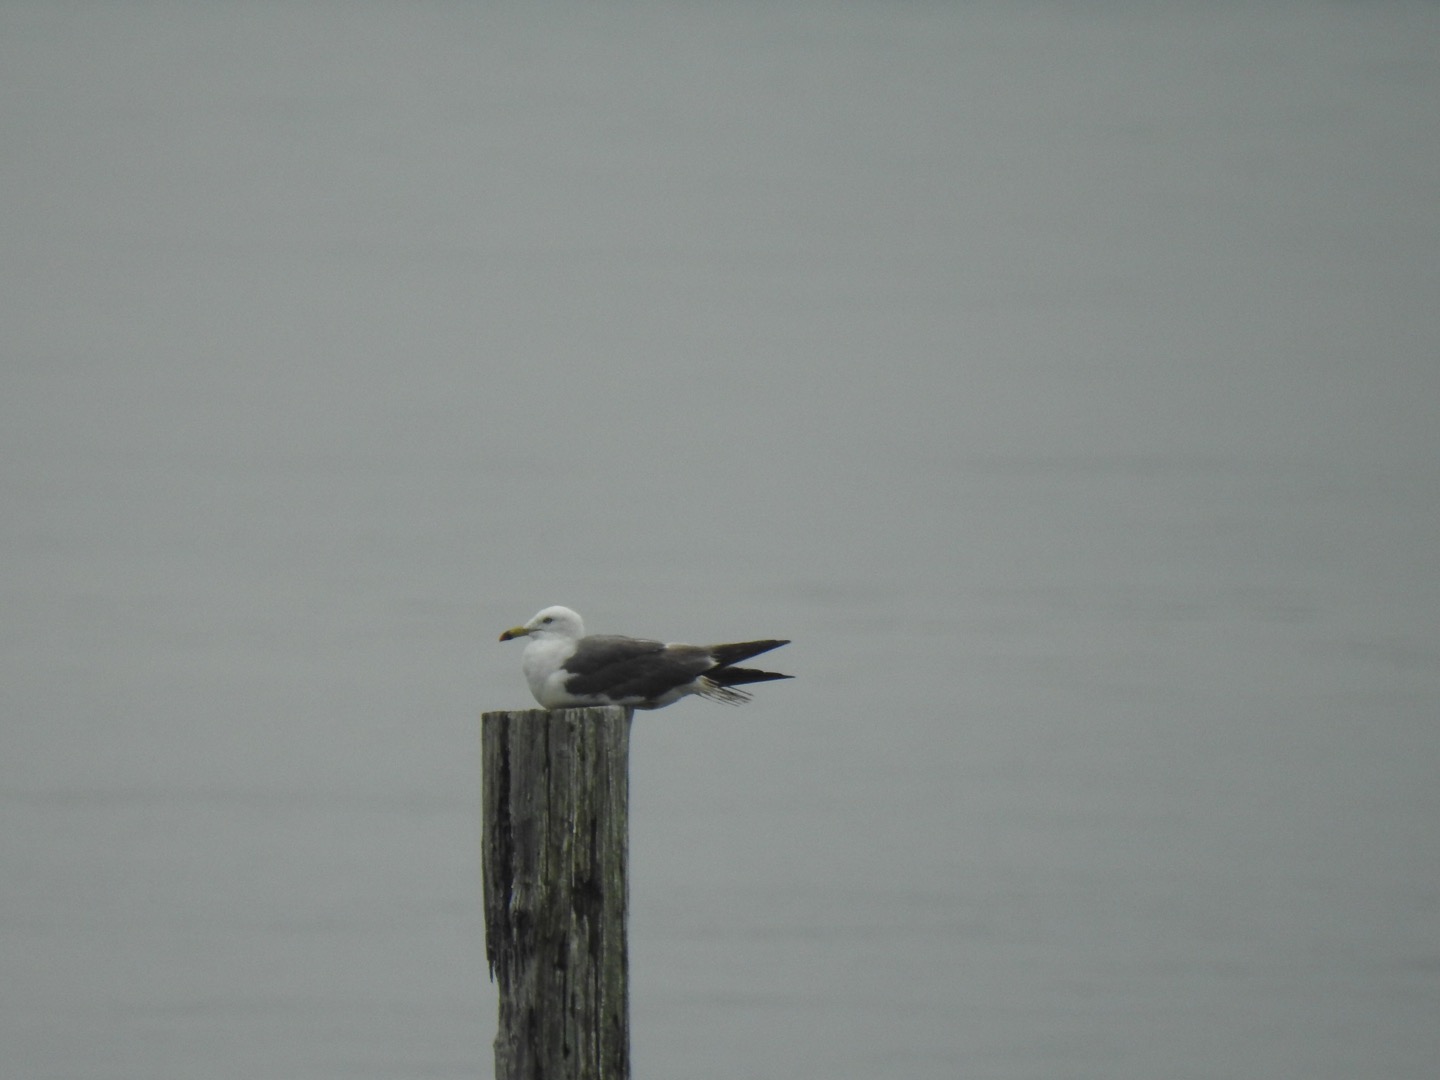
1063	379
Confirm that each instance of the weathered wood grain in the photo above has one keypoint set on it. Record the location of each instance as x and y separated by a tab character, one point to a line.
555	834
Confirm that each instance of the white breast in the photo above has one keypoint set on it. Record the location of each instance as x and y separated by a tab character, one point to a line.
542	661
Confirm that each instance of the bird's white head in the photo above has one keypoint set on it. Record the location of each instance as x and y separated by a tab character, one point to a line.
553	622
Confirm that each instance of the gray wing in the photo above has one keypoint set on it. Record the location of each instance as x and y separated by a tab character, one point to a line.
625	667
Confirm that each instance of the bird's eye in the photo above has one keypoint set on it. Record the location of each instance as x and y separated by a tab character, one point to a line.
548	618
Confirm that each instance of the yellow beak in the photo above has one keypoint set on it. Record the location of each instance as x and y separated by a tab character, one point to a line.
514	632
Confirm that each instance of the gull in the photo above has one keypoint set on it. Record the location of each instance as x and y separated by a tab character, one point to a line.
568	669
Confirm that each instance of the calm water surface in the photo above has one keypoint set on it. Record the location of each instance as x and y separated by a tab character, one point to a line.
1063	383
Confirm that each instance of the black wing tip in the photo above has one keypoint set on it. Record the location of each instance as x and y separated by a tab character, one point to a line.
739	676
735	651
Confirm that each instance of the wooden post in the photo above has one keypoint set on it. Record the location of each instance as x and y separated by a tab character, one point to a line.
556	830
